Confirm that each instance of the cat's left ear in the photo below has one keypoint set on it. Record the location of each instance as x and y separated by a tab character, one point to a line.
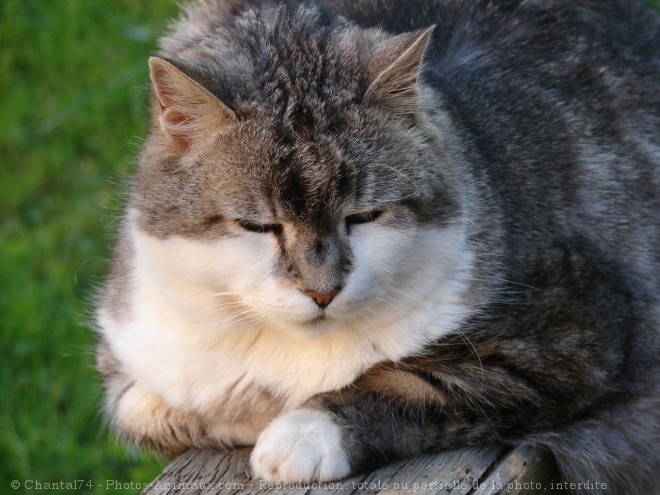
188	110
394	69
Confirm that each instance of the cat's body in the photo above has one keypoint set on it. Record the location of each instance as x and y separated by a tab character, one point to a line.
469	259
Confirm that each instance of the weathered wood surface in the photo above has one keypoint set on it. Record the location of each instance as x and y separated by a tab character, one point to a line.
489	471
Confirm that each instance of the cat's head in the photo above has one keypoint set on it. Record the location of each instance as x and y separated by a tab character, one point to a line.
292	166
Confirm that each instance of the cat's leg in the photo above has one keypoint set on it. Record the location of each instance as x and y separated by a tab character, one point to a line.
306	444
386	415
144	418
147	420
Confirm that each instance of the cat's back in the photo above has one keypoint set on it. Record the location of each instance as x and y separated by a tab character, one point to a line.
523	28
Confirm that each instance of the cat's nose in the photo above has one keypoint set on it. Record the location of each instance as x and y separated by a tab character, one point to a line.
322	299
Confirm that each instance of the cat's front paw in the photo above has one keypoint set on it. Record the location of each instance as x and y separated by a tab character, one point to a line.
303	445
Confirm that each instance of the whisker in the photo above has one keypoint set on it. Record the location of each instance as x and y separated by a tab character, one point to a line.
208	295
237	318
217	309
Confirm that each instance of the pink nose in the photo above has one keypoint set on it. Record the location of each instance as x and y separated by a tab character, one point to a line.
322	300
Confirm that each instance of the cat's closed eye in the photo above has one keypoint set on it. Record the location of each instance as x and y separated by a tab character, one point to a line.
362	217
268	228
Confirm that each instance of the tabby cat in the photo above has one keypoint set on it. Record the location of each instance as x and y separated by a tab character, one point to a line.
364	229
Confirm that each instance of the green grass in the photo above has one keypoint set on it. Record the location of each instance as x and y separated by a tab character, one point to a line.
73	80
72	114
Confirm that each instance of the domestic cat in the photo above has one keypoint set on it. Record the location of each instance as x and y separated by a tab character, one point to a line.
361	230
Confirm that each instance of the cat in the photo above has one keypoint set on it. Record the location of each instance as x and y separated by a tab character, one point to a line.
362	230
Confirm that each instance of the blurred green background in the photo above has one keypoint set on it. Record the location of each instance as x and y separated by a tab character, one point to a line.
73	86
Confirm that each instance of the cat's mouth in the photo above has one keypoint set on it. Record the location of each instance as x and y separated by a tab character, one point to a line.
318	323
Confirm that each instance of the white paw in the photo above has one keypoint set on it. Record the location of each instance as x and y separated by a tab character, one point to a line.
303	445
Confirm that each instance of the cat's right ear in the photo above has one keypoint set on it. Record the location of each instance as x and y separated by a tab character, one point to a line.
394	70
188	111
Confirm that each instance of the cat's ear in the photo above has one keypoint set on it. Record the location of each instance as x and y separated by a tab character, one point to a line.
394	69
188	110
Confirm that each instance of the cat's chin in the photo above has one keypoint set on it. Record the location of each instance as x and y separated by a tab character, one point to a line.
315	327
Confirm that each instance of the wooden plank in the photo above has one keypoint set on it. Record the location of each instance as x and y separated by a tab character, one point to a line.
450	472
463	472
523	471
